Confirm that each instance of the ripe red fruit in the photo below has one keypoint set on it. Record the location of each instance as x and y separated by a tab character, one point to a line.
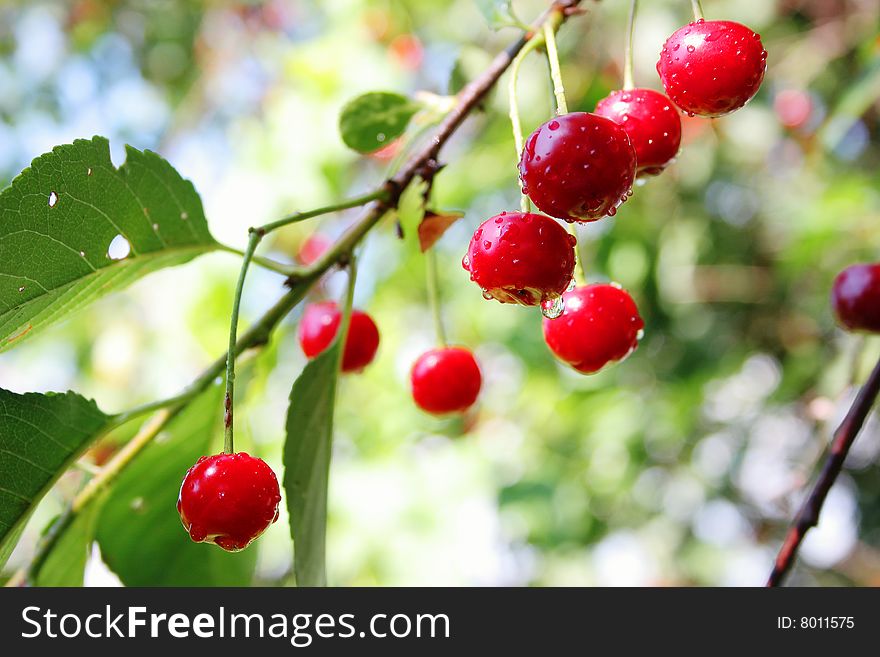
712	68
318	328
445	380
314	246
578	167
228	500
793	107
652	123
855	297
600	324
520	257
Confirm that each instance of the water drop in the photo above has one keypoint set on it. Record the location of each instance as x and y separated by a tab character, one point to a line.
487	296
380	137
553	307
615	284
691	49
82	253
21	289
553	125
487	244
53	199
466	262
119	248
184	215
640	335
89	171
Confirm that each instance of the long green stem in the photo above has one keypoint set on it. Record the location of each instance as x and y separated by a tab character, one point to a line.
265	263
346	312
433	284
628	82
698	9
513	103
555	71
253	240
355	202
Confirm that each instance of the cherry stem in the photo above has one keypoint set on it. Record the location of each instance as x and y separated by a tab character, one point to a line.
345	322
255	236
433	284
580	274
550	28
628	82
808	515
698	10
513	102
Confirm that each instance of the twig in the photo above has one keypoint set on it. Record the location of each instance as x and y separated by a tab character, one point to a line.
808	516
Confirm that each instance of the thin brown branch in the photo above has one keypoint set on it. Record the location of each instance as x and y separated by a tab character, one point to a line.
808	516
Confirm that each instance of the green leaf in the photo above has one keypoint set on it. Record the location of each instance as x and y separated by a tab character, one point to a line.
40	436
60	216
498	13
375	119
66	562
139	530
411	211
307	463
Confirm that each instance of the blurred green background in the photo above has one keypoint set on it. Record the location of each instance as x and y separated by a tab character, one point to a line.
681	466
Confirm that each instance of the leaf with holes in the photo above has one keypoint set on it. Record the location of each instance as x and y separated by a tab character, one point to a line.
73	227
40	436
139	530
375	119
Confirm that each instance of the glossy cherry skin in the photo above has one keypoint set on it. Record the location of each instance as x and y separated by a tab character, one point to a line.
578	167
228	500
445	380
711	68
651	122
600	324
855	297
318	328
521	257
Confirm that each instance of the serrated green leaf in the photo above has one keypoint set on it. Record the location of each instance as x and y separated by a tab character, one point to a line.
498	13
66	562
40	436
375	119
139	530
307	463
60	216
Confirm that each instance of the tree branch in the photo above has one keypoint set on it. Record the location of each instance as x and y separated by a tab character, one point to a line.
808	516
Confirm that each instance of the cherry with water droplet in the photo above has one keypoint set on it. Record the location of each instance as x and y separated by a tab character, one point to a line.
228	500
651	122
318	328
580	169
600	325
718	71
530	258
445	380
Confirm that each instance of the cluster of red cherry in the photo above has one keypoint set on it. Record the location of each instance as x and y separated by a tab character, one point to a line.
577	167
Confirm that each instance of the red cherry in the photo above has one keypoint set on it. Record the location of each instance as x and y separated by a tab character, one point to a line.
600	324
445	380
318	328
314	246
520	257
228	500
855	297
793	107
578	167
712	68
652	123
